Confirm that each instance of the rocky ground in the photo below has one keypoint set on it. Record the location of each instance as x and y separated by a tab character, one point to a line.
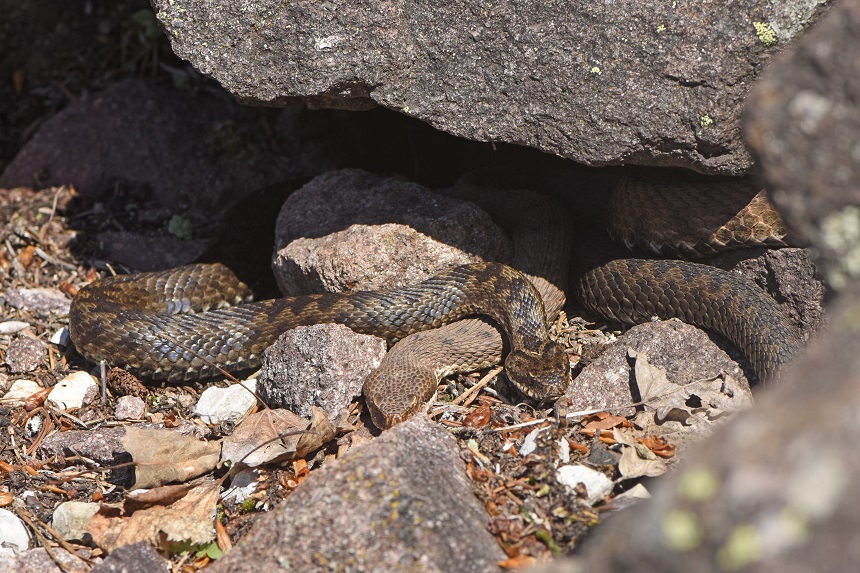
117	156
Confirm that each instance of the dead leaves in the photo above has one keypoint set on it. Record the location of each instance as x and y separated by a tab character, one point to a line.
159	516
163	456
276	435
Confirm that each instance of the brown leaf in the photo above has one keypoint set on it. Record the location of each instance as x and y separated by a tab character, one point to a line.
276	435
517	562
189	517
479	417
658	445
602	421
163	456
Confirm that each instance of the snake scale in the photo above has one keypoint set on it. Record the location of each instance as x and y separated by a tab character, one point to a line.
188	323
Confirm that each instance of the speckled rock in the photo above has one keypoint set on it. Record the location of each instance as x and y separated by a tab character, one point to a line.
40	300
685	352
24	354
601	83
174	142
322	365
353	230
400	503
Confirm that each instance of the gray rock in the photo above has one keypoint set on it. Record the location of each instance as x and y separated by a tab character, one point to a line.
144	253
39	300
71	519
802	124
353	230
778	480
789	275
39	561
399	503
102	445
134	558
24	354
685	352
599	83
322	365
174	142
129	408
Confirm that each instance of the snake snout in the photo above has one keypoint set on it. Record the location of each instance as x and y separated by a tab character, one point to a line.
543	375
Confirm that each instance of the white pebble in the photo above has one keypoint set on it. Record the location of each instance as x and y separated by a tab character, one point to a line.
73	391
229	404
243	485
530	442
71	519
13	533
20	391
61	337
129	408
596	484
12	326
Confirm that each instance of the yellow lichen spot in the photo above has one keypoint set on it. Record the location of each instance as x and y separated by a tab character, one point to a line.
682	531
406	109
698	484
765	33
741	548
595	70
661	28
706	120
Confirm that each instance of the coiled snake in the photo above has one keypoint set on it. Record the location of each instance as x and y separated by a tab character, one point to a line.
187	323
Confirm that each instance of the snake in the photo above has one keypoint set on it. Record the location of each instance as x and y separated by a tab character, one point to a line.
195	321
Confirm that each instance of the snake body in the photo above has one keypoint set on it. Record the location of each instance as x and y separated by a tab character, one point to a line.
188	323
177	325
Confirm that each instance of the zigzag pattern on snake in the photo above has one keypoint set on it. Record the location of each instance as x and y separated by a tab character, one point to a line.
179	324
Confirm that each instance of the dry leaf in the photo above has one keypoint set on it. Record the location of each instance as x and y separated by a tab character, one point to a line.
276	435
710	398
164	456
517	562
658	445
602	421
479	417
636	459
189	517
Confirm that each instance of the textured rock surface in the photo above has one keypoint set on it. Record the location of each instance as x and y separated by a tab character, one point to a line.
148	137
399	503
352	230
322	365
24	354
780	496
802	123
684	351
789	275
631	82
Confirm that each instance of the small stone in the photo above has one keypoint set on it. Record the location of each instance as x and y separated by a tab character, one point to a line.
71	519
61	337
229	404
133	558
242	486
34	426
40	300
129	408
73	391
25	354
323	365
12	326
20	391
596	483
13	532
530	442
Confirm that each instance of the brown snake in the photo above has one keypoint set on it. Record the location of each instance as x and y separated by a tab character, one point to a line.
180	324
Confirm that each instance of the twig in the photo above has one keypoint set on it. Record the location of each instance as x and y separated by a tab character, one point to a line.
473	391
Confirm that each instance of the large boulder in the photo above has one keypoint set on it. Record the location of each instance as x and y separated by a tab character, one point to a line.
602	83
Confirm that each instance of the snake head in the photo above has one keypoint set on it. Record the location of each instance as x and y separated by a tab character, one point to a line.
543	375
